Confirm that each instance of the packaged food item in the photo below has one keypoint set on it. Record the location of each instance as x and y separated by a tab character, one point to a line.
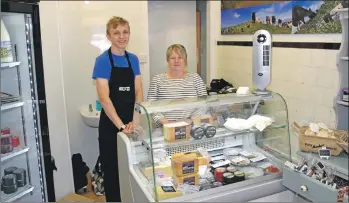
218	173
239	176
9	184
167	192
21	177
15	141
240	161
184	164
197	132
209	129
5	131
9	170
228	178
272	169
6	143
232	169
198	120
231	151
191	179
177	131
162	170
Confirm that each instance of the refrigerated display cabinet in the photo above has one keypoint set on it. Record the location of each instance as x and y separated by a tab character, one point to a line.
214	148
25	148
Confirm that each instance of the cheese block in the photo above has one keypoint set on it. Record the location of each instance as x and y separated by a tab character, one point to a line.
197	120
185	164
177	131
167	192
202	160
192	179
161	171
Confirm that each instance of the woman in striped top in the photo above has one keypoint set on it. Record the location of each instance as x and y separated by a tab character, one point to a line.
177	83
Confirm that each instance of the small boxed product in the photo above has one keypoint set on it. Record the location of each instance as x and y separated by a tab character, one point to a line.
177	131
184	164
201	154
198	120
191	179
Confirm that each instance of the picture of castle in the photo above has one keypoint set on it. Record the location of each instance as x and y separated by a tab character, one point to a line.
281	17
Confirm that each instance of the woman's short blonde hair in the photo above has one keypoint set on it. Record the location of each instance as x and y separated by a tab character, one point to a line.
115	21
178	48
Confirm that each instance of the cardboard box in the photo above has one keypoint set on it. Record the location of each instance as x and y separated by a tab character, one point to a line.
75	198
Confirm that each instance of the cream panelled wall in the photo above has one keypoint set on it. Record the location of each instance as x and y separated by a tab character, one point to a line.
307	78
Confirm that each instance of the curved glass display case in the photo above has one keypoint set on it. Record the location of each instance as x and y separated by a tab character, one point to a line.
206	149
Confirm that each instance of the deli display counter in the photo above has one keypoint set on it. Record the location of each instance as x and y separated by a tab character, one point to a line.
218	148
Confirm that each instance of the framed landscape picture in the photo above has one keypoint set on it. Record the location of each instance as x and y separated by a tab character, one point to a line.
281	17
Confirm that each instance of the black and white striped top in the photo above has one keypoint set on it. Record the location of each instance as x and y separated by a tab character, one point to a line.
162	87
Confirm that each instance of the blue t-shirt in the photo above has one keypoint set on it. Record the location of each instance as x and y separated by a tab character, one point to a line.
102	68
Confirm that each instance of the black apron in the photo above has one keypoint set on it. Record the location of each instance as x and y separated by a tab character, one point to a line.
122	95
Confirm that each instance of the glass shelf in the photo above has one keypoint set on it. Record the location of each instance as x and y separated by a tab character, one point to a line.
14	196
16	152
9	65
11	105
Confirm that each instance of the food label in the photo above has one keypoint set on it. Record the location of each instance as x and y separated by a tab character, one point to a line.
160	174
189	181
188	167
168	189
180	133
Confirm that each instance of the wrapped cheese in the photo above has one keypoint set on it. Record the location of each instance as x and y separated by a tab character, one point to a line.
177	131
185	164
167	192
161	171
192	179
198	120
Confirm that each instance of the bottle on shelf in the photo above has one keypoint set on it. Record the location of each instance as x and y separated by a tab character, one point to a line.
6	47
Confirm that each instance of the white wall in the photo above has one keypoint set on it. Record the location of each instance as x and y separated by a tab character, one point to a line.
56	106
67	29
171	22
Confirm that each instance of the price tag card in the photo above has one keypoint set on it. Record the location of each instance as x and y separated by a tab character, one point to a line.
220	164
260	157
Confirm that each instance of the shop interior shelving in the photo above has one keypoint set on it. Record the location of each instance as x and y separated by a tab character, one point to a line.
11	103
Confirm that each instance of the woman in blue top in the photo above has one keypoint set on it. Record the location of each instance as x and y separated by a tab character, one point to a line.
119	86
